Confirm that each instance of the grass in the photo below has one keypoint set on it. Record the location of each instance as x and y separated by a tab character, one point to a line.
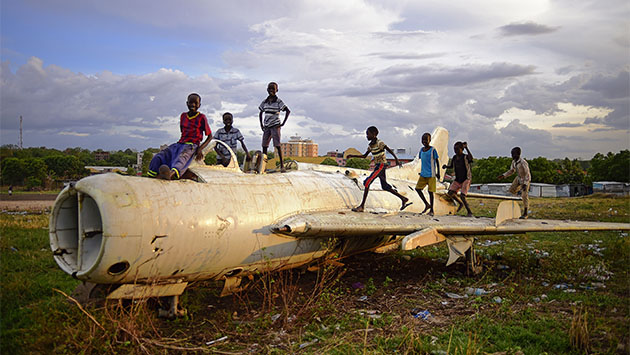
561	293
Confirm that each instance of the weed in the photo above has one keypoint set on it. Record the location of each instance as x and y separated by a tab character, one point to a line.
579	333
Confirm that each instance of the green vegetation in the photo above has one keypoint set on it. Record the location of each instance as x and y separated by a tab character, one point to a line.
36	168
612	167
550	284
329	161
358	163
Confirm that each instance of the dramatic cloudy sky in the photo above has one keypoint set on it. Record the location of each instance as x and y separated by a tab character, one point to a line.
550	76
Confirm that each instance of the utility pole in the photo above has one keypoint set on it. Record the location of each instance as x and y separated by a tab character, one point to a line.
20	131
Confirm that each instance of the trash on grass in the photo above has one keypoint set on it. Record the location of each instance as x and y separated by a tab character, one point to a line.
422	314
454	295
497	299
216	340
475	291
358	285
362	299
308	343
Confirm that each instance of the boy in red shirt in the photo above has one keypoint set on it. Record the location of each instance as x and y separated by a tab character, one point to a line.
173	161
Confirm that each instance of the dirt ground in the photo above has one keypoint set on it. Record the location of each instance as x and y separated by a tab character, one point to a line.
27	202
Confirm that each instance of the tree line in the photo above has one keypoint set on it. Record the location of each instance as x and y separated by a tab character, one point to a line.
41	167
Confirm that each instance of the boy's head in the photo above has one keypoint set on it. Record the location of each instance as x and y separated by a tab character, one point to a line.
458	147
228	119
371	133
272	88
426	139
193	102
516	153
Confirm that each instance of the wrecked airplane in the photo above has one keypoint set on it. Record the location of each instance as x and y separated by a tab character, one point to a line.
150	237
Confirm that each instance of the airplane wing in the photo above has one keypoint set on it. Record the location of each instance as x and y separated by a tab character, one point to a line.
418	230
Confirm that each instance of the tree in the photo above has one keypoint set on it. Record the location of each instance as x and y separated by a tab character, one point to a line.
486	170
543	170
13	171
570	172
35	172
329	161
64	166
358	163
610	167
211	158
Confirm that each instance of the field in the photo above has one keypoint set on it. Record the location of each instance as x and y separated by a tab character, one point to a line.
555	293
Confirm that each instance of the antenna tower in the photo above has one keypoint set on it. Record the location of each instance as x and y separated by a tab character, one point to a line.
20	132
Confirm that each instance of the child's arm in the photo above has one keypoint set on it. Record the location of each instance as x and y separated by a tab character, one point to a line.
249	157
286	115
203	145
359	156
450	164
437	164
470	157
393	154
507	173
260	114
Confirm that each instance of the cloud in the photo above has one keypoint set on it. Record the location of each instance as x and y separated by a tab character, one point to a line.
567	125
404	67
526	29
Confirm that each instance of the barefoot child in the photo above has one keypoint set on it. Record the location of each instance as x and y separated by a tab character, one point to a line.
378	148
461	164
429	172
522	179
270	108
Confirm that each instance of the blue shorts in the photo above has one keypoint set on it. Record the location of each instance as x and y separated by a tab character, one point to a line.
176	156
379	171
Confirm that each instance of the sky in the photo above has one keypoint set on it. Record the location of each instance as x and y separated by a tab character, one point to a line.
552	77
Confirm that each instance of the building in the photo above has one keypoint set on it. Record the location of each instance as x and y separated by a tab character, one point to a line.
298	147
612	187
101	155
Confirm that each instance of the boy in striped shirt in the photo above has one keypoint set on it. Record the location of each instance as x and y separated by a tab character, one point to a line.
271	108
173	161
378	148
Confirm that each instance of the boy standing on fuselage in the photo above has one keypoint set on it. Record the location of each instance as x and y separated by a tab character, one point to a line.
378	148
271	107
461	164
173	161
429	172
229	135
522	179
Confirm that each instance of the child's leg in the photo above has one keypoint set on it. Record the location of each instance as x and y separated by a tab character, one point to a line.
361	206
432	188
453	195
279	151
275	135
387	187
182	160
266	139
464	192
426	204
366	184
466	204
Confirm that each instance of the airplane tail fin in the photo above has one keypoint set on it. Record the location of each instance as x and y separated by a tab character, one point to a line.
409	171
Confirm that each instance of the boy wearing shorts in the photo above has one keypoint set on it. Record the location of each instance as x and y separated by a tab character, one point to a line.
429	172
461	164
